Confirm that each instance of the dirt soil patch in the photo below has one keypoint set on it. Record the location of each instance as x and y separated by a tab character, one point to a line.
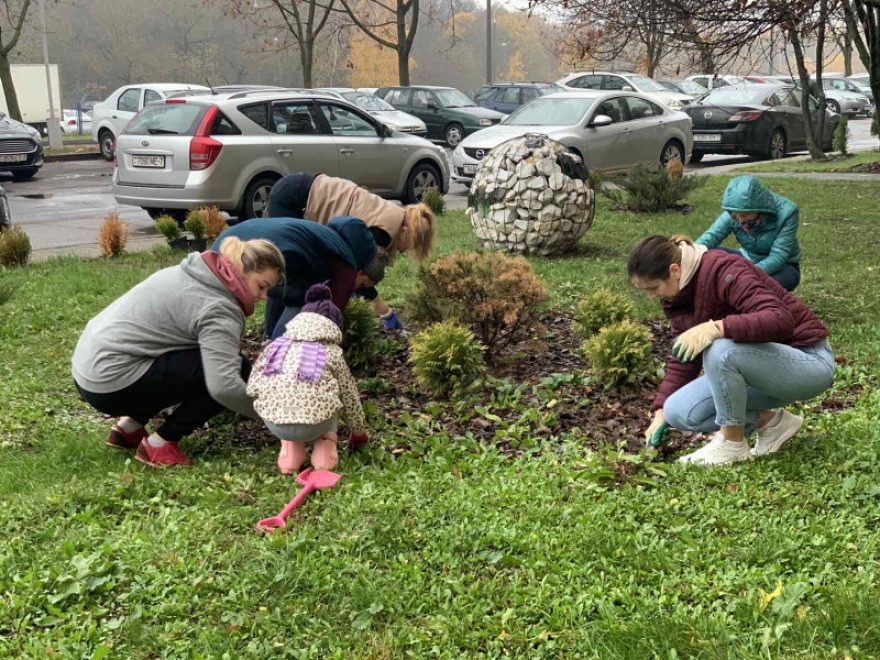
594	415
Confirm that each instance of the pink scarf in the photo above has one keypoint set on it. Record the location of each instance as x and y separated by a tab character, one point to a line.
232	280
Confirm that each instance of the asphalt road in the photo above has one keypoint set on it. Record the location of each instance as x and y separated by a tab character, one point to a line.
63	206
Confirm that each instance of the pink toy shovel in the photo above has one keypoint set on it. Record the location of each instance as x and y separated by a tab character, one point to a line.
310	480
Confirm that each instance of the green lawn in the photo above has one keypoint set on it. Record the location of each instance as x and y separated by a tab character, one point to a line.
451	550
833	164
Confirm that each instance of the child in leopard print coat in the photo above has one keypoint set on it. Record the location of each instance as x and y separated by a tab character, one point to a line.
300	382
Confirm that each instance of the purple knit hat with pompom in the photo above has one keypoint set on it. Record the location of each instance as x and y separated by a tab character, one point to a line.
318	302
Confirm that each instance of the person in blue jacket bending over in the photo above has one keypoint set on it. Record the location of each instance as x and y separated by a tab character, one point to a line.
765	225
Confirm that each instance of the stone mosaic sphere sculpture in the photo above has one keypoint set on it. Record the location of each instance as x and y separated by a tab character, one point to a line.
531	196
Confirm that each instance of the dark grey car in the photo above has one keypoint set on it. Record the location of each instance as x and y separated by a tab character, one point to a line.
21	148
759	120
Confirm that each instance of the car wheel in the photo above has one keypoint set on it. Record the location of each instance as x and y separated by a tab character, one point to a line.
453	134
776	149
834	106
27	173
672	151
107	143
255	202
422	178
696	158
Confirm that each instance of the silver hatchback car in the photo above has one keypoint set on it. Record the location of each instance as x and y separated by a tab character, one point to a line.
228	150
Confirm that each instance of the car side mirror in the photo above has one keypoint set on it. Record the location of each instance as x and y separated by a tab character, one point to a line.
600	120
627	88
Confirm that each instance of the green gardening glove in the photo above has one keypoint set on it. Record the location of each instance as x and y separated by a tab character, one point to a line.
660	436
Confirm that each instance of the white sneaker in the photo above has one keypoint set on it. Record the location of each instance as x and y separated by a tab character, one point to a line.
719	451
780	430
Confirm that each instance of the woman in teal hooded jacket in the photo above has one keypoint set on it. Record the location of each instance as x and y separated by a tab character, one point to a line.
765	225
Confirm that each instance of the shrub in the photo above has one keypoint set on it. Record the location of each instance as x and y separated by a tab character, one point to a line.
650	190
618	353
195	225
215	223
168	227
599	309
596	179
360	334
112	236
675	168
494	295
7	290
841	136
435	201
447	358
15	247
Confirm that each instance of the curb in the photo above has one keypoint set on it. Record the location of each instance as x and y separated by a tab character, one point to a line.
82	155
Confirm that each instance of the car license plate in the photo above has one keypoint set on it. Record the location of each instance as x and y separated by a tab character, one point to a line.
707	137
13	158
148	161
469	169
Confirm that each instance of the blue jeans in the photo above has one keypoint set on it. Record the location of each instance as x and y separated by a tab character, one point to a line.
741	380
277	317
789	276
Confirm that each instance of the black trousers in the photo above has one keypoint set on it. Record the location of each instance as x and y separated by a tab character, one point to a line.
174	379
290	195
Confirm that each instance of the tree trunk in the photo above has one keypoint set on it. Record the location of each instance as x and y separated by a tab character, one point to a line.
867	15
847	53
9	87
403	64
815	149
306	57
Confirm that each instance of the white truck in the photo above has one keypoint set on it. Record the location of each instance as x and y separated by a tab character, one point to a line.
33	94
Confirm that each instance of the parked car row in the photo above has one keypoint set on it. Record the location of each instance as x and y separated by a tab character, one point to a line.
229	149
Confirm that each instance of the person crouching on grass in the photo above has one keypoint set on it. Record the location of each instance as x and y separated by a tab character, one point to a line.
301	380
173	340
760	347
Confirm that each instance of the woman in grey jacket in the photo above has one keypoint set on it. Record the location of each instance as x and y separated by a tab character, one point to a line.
173	340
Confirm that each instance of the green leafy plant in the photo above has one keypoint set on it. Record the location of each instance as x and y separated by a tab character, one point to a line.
15	247
601	308
649	190
596	179
168	227
435	201
618	353
360	334
195	225
447	358
7	290
841	136
496	296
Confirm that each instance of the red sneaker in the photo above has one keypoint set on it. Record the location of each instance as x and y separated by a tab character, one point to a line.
160	457
119	439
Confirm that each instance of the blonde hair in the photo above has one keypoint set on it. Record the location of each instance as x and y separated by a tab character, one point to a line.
419	222
252	256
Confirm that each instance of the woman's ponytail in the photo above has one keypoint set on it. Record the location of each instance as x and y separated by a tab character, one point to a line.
251	256
419	222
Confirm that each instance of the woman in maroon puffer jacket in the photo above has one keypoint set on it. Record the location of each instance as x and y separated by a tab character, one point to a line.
761	349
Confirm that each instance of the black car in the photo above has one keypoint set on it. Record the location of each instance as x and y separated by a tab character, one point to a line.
758	120
21	148
507	97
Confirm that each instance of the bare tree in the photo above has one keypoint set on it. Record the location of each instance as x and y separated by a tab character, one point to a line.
12	21
391	23
302	23
863	22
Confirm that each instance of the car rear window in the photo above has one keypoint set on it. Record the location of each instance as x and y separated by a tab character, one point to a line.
259	114
731	96
167	119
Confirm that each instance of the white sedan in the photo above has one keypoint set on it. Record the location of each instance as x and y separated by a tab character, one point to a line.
610	130
70	122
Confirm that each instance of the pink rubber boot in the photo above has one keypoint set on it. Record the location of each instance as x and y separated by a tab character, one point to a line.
324	455
291	457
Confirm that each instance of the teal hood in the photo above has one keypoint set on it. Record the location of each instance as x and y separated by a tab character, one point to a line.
746	194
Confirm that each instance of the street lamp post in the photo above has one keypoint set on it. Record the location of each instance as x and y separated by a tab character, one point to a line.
489	67
55	141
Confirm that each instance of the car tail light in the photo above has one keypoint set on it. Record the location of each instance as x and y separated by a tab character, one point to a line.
71	122
203	149
750	115
175	100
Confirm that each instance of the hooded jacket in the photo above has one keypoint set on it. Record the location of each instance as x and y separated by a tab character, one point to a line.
313	253
754	307
302	378
183	307
769	248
